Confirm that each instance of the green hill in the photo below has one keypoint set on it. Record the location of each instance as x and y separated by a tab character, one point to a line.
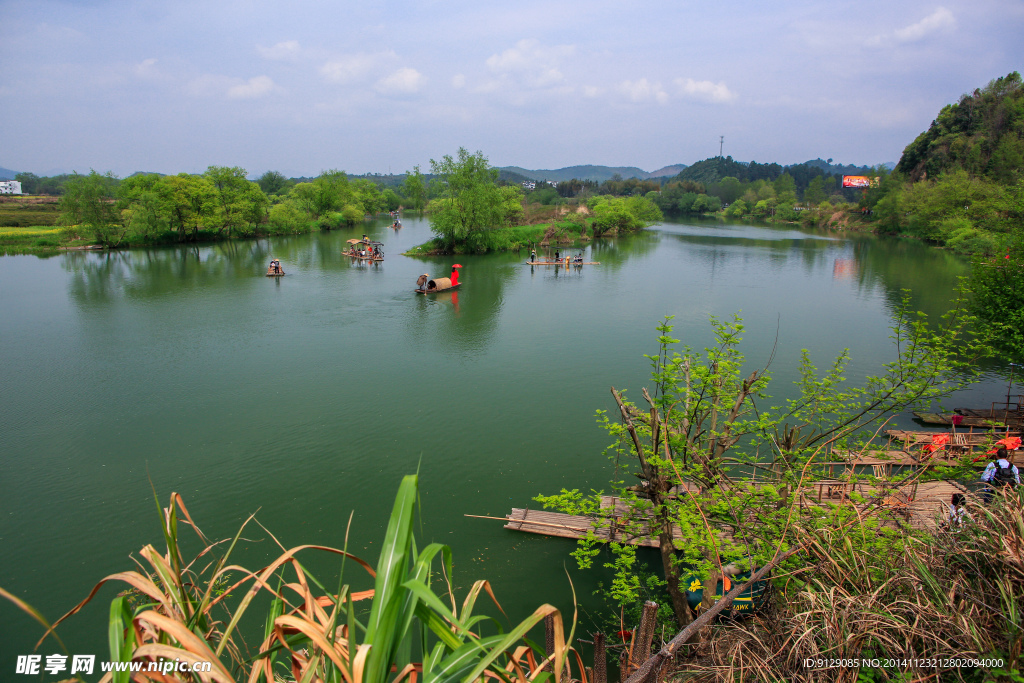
982	134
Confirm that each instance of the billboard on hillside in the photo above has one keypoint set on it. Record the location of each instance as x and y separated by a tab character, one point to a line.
856	181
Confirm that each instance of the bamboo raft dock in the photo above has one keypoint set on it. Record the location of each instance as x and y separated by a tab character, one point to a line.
561	263
961	420
919	505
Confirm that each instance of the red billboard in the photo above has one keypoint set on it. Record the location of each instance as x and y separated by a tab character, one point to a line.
856	181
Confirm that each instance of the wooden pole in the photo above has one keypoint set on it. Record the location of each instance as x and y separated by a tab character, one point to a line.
600	659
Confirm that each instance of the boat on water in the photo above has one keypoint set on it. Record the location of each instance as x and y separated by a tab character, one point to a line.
428	285
275	269
365	250
441	284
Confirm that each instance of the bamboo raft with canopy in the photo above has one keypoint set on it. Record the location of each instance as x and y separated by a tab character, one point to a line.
369	250
275	269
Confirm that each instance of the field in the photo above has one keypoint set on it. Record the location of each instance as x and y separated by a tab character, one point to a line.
21	211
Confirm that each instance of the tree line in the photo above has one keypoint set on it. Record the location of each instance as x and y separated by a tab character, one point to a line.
221	203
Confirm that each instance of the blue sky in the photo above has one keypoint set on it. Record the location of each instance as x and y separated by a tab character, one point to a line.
382	86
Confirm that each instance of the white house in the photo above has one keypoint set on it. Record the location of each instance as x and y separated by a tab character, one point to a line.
10	187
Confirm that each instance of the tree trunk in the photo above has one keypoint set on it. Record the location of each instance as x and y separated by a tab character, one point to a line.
680	608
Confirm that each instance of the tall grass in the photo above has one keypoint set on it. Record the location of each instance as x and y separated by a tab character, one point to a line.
190	610
951	594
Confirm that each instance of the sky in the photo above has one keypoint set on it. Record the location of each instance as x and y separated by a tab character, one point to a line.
381	86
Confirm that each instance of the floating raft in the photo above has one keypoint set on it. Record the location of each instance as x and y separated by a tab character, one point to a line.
561	263
929	502
363	258
968	420
271	273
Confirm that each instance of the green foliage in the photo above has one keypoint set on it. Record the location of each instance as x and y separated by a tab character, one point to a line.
273	182
415	188
470	205
613	215
88	201
709	418
982	134
998	287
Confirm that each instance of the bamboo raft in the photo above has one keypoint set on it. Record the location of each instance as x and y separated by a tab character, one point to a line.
969	420
921	506
561	263
271	273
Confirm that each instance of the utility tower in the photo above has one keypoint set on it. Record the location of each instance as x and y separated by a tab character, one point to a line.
721	143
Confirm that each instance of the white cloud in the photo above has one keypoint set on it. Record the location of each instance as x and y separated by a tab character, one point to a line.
592	91
258	86
405	81
643	91
533	64
145	68
705	90
458	81
938	21
351	68
288	49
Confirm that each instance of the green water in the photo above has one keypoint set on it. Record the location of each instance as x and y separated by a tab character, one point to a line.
309	396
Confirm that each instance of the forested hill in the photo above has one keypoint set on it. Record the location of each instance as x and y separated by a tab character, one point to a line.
714	169
982	134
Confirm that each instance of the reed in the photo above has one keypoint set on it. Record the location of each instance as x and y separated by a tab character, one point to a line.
190	610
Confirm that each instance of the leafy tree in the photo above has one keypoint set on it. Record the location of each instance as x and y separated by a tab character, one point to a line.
193	204
273	182
707	419
232	189
470	203
728	190
144	204
390	199
29	182
998	284
89	201
815	192
415	188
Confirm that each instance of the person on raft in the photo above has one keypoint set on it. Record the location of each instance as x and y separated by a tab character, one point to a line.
421	282
455	274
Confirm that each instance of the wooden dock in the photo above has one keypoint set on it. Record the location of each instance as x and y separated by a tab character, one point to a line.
917	505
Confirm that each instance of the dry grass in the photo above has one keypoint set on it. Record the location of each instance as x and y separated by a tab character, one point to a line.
951	594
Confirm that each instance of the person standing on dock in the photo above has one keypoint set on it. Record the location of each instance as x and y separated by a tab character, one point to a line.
999	473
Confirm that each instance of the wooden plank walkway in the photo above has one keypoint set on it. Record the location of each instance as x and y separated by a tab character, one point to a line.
919	506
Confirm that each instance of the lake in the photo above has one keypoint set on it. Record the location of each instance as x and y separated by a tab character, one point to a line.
307	397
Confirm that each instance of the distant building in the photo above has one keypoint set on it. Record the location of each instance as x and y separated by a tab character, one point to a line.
10	187
529	184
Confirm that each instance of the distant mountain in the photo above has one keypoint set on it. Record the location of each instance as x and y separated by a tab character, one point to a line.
667	171
589	172
7	174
